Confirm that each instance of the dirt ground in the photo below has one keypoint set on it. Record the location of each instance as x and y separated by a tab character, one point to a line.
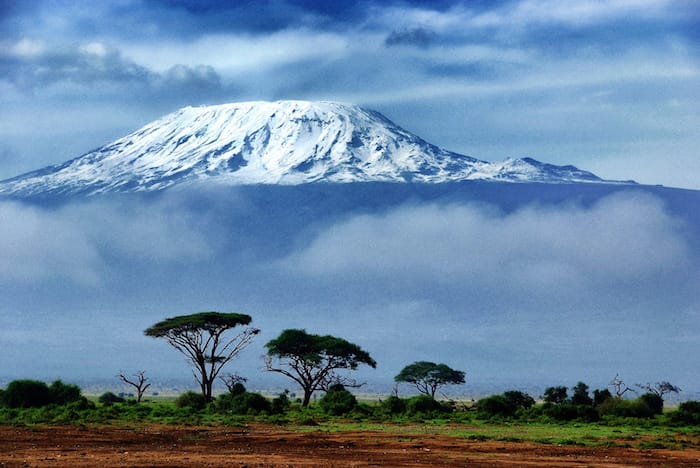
260	445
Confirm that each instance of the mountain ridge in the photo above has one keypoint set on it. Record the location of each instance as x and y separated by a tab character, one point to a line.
281	142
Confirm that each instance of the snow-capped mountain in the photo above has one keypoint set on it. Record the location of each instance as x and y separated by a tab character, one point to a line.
284	142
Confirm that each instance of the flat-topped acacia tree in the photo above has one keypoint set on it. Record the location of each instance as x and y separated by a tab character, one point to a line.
200	337
312	360
427	376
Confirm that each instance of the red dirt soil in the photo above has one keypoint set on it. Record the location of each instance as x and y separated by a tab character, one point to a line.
259	445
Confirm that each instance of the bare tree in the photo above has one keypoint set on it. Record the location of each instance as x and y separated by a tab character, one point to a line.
139	382
660	388
620	387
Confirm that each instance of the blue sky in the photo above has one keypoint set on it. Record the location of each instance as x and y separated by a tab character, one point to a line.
610	86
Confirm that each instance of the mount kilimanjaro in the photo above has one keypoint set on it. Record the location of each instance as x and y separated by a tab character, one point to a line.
284	142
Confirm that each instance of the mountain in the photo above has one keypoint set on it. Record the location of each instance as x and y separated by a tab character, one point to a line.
284	142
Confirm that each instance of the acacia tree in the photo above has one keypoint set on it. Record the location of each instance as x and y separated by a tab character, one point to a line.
312	361
200	337
427	376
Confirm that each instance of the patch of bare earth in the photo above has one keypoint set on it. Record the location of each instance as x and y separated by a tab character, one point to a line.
260	445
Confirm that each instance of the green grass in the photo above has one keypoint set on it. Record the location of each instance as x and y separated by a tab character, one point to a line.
647	434
578	434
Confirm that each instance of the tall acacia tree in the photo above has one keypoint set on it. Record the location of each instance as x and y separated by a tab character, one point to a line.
427	376
312	361
200	337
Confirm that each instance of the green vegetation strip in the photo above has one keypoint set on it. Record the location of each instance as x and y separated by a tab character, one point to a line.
585	434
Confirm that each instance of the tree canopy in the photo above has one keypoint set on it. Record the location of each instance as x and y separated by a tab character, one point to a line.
312	360
200	337
427	376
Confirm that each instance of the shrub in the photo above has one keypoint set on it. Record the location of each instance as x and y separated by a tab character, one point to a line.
26	394
423	404
580	396
393	405
505	405
561	411
242	403
281	403
109	398
625	408
555	395
192	400
494	406
61	393
599	396
687	413
654	402
519	399
338	401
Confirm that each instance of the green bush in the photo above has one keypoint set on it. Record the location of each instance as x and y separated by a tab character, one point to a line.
599	396
580	395
62	394
654	402
688	413
555	395
26	394
567	412
281	403
338	401
191	399
393	405
494	406
505	405
625	408
237	389
109	398
242	403
425	405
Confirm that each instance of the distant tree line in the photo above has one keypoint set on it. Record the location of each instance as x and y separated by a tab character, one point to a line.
210	340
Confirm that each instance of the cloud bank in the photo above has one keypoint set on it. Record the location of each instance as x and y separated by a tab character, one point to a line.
78	243
623	247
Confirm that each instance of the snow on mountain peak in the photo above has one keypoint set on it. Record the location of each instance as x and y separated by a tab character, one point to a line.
283	142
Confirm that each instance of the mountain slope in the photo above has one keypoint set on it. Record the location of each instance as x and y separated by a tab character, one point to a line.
284	142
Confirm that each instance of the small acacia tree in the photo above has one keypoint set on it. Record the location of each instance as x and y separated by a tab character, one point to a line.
312	361
427	376
200	337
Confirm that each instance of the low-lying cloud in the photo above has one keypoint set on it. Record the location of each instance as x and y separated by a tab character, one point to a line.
76	243
623	242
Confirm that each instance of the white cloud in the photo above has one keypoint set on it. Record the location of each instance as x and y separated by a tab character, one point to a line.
581	12
623	241
36	245
75	242
237	53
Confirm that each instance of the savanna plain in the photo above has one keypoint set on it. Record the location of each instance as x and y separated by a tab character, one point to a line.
246	430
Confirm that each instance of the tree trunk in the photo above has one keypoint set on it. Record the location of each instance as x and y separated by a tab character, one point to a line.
208	390
307	397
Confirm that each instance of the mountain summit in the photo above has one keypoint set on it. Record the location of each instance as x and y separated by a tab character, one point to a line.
284	142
